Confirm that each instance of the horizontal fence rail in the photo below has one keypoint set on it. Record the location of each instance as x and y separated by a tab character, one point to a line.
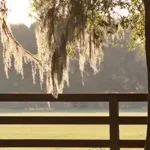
113	120
103	97
72	120
69	143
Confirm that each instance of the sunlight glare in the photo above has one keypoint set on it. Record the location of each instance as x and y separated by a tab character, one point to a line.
19	12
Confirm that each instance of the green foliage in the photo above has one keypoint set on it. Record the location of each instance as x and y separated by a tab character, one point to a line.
99	16
137	25
71	50
92	15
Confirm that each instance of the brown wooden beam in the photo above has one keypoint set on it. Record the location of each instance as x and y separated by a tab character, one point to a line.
72	120
54	143
101	97
132	143
114	124
133	120
69	143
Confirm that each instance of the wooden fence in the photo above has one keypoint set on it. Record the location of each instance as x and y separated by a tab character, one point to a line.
113	120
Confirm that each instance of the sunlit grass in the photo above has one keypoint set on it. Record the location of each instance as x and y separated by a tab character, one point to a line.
68	131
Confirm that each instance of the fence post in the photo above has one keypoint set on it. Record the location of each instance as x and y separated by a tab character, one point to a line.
114	124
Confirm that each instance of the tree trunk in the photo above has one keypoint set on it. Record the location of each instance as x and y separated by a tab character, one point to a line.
147	46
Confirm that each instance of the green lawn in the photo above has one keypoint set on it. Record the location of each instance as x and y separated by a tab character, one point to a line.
68	131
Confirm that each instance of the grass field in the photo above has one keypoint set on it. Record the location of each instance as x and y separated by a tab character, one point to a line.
68	131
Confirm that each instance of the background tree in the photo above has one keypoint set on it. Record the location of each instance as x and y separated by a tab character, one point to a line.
62	28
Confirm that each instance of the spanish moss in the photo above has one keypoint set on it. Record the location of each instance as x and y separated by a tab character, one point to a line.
64	29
